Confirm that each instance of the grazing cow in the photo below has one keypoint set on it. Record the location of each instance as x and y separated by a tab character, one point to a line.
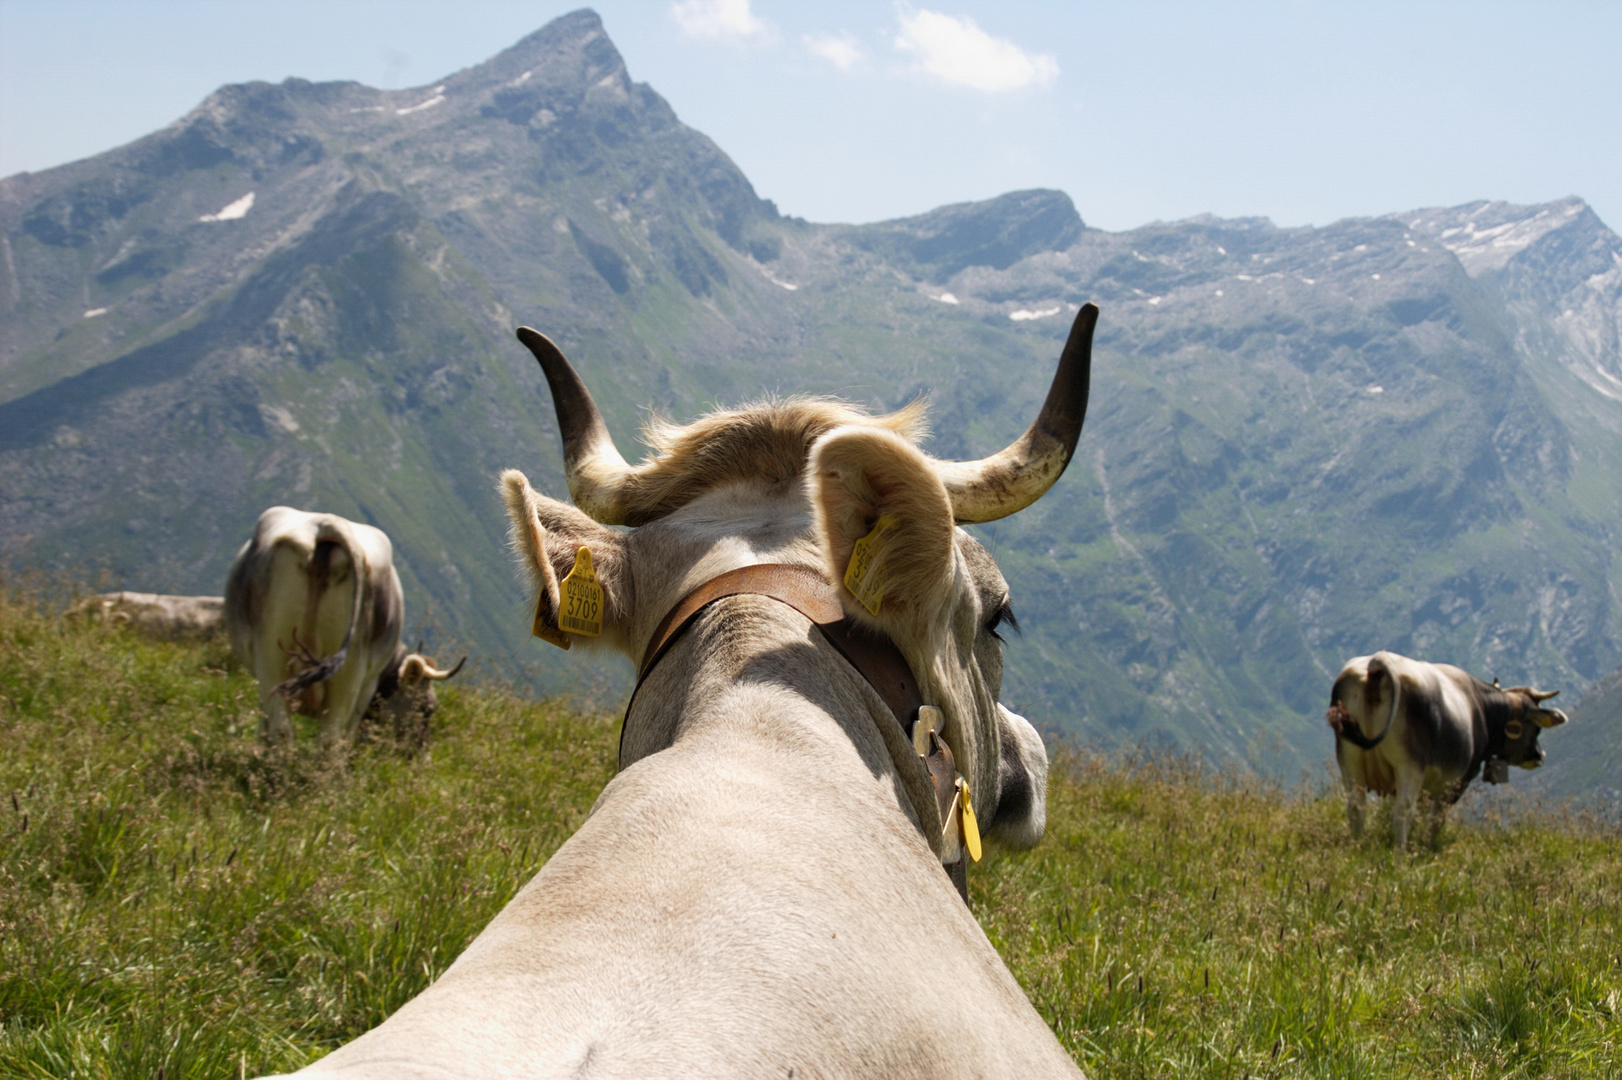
404	701
154	614
313	608
766	888
1404	726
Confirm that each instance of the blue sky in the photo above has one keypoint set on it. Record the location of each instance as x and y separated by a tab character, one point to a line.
858	110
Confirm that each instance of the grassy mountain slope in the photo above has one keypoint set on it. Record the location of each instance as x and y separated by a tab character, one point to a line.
175	901
1304	444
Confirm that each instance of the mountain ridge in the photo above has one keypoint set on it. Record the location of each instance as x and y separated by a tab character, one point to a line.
1304	443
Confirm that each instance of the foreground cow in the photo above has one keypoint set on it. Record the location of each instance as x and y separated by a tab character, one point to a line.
1404	726
762	891
154	614
313	608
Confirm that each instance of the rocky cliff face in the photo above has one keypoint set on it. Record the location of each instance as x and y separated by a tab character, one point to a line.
1304	444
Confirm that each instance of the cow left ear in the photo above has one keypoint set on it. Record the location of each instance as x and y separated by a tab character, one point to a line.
884	521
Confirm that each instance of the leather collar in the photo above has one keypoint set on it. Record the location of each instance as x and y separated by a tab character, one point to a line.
809	593
874	657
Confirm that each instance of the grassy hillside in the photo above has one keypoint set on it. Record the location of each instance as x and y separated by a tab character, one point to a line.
176	903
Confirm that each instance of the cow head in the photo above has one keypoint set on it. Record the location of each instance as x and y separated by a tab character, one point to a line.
806	482
404	700
1513	727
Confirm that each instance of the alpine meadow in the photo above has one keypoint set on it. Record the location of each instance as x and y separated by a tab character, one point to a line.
177	901
1302	445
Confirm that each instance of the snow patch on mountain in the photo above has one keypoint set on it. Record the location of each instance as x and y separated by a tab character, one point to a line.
231	211
439	96
1485	236
1583	284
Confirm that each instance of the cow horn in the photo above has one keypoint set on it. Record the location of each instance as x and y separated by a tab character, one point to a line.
1017	476
1541	696
437	673
596	472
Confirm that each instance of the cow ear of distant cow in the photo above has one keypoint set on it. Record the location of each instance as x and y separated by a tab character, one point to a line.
879	501
547	536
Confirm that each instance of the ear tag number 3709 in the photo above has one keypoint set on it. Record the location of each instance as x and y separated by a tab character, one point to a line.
580	607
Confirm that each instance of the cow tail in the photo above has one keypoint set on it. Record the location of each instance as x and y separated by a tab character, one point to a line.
329	666
1354	735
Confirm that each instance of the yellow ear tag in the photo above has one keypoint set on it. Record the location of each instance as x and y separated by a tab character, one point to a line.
863	577
971	828
582	598
545	625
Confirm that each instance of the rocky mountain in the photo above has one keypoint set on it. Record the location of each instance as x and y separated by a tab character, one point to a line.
1304	444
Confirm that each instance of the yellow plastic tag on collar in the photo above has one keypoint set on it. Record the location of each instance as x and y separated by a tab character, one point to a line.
971	828
863	576
545	625
582	598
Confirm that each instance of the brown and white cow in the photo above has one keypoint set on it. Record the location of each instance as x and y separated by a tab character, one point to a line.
1405	726
155	614
404	701
761	890
313	608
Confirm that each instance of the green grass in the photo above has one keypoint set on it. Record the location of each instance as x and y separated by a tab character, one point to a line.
172	897
176	902
1176	922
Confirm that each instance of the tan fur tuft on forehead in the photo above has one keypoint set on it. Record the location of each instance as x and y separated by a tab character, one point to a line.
767	442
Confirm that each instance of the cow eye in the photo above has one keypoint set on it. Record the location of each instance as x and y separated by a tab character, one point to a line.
1003	616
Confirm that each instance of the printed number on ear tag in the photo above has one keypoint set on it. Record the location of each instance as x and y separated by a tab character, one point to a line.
864	577
581	607
971	828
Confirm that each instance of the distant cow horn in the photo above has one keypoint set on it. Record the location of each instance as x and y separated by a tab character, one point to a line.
593	465
416	667
1541	696
432	672
1017	476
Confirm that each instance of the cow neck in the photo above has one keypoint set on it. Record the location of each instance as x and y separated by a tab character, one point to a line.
874	657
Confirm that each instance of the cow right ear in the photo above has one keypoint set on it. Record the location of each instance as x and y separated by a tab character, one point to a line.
547	536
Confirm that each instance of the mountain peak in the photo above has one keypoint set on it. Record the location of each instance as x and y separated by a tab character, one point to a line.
996	232
571	49
1487	235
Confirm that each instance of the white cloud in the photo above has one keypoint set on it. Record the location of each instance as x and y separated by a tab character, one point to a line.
725	19
956	50
840	50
